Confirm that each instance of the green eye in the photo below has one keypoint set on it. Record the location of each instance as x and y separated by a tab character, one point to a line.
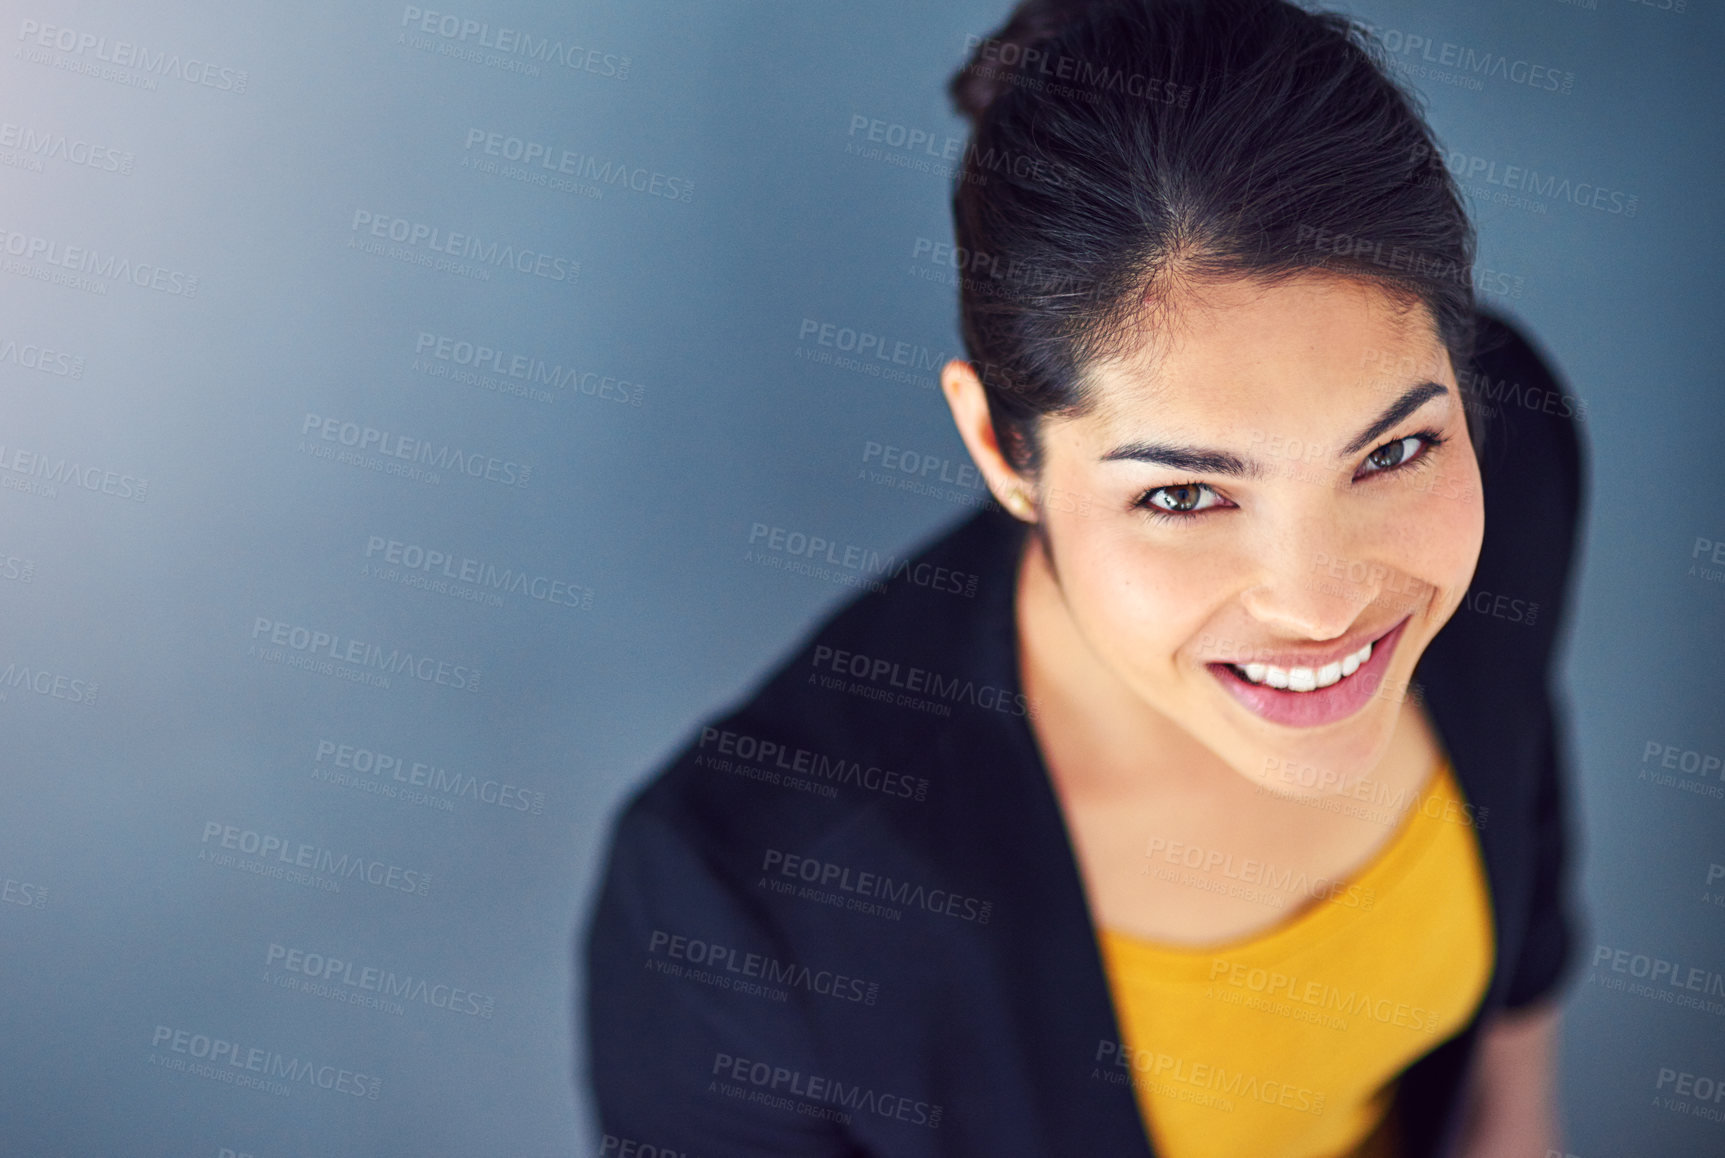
1394	453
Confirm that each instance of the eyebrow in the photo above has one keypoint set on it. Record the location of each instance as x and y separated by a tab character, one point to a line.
1203	461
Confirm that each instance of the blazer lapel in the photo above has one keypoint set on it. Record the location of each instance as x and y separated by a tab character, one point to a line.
1076	1099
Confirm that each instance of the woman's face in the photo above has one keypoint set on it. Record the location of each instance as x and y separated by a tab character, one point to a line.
1280	508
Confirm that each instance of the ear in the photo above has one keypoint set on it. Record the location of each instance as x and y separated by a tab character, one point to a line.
969	404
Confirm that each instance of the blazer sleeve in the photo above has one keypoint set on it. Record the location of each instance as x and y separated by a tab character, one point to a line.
662	1048
1541	438
1549	945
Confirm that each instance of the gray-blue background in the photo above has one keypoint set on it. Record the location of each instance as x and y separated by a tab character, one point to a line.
143	707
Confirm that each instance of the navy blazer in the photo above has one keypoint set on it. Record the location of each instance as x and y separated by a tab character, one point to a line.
846	919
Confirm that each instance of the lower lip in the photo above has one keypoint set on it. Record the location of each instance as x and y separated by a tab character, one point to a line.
1324	706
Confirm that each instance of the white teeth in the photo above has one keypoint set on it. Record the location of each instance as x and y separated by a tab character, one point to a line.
1305	679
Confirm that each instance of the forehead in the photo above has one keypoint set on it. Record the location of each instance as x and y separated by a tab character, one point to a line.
1293	350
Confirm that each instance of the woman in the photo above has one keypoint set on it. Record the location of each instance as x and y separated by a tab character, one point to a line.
1227	818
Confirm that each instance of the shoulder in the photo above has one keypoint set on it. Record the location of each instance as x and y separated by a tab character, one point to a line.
1532	471
1533	421
842	734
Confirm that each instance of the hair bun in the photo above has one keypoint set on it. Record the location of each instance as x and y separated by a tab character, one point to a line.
994	62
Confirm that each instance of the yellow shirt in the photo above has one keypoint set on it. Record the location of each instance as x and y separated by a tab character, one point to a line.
1287	1044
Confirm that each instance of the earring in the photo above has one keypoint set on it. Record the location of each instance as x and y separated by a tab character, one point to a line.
1017	503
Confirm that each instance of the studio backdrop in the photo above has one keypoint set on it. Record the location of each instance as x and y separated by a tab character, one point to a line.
415	419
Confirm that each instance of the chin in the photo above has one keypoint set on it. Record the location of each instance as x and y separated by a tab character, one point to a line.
1315	767
1307	744
1306	762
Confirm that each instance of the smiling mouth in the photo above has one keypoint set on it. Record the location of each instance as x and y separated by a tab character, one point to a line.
1304	679
1307	697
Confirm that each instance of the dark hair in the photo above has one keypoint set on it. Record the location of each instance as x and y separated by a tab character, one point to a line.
1120	148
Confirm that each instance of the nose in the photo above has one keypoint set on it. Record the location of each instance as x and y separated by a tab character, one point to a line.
1312	581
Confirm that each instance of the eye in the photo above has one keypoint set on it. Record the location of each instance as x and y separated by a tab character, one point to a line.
1182	499
1399	453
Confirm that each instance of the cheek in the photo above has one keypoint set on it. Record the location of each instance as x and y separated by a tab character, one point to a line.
1441	525
1455	513
1133	599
